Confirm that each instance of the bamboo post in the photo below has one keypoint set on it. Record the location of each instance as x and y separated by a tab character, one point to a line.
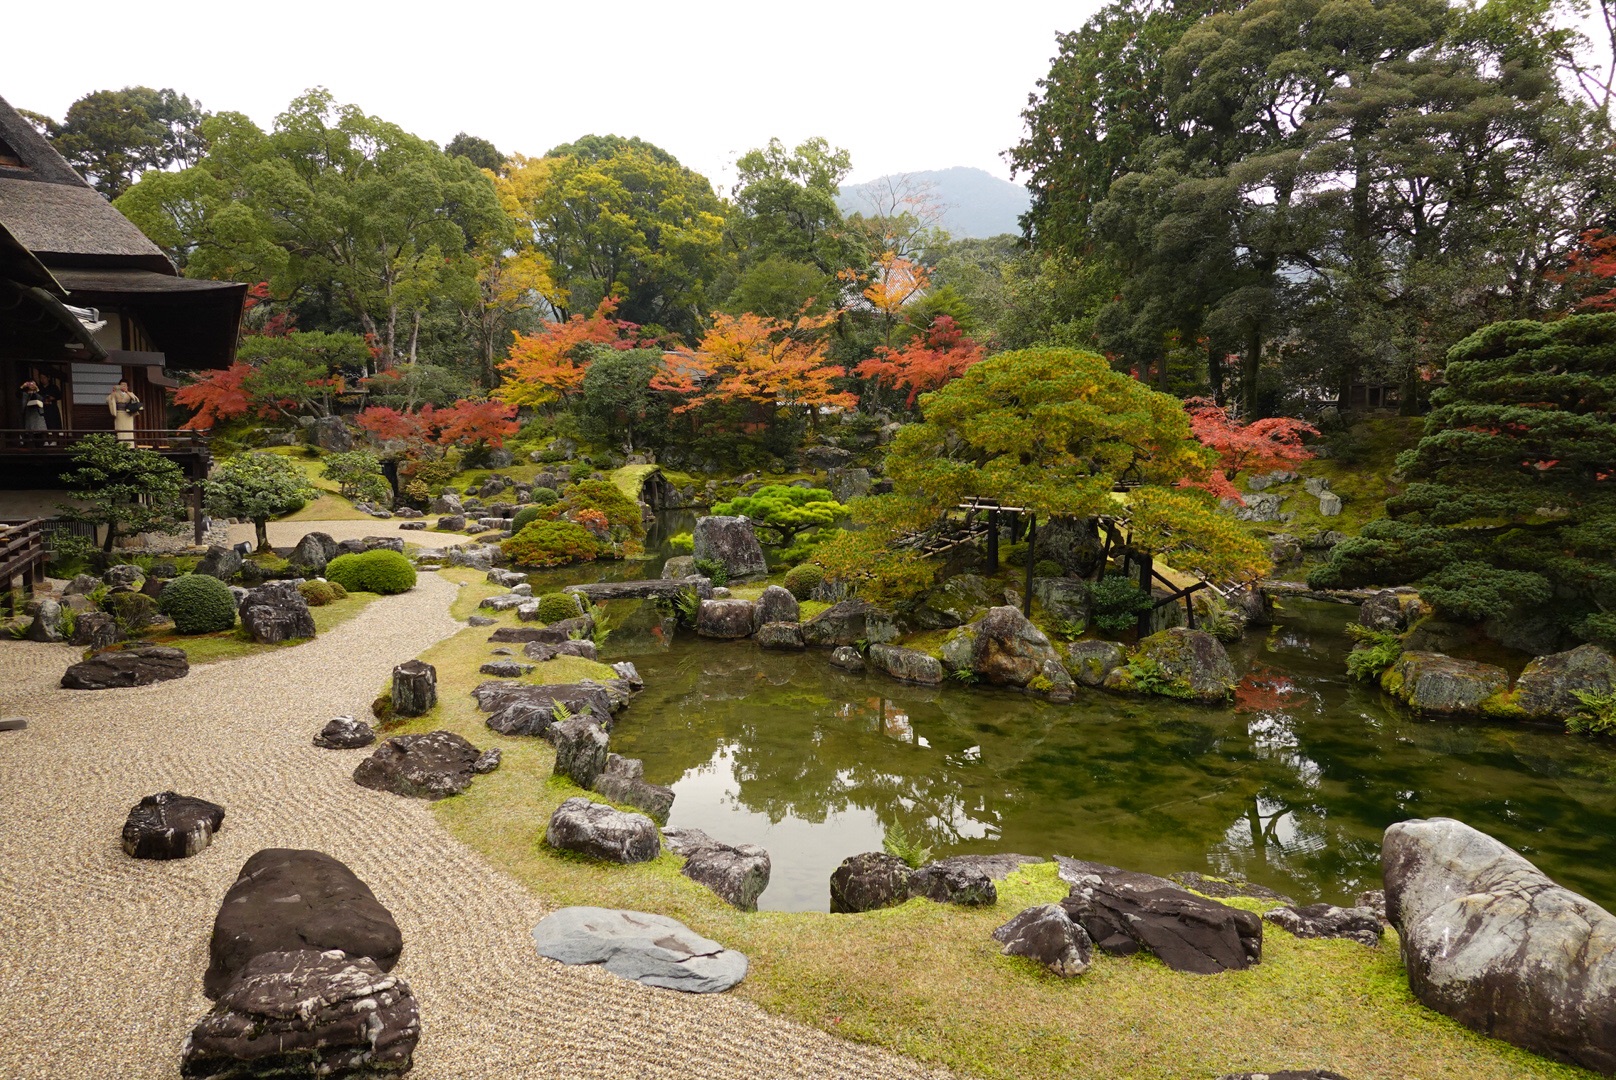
993	541
1032	545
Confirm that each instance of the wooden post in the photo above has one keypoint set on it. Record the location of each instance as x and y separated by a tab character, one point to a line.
196	511
1146	616
415	688
1015	527
1032	546
993	541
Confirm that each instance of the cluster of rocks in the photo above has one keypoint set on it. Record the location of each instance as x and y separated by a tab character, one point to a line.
1265	504
299	966
875	879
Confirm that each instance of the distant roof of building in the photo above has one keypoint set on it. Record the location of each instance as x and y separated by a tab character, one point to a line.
52	211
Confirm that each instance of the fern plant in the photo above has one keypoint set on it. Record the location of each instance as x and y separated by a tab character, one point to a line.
1596	716
1148	678
965	676
560	712
1376	651
898	843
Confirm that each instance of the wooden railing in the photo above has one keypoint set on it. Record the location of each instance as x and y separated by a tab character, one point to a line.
17	440
22	555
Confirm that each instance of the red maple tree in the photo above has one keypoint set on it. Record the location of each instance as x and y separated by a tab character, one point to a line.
216	396
1260	446
929	360
551	362
1591	271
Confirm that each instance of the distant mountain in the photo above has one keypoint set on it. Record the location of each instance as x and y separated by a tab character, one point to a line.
974	203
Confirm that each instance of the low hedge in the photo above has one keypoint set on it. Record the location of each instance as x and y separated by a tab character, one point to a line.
551	543
198	604
381	571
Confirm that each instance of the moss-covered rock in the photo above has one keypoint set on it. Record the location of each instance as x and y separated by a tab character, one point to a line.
1179	662
1441	685
1547	689
1091	661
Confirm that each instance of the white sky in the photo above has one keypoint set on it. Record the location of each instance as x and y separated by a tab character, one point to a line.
904	87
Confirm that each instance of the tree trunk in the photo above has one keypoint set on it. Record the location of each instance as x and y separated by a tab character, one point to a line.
1250	363
261	527
415	688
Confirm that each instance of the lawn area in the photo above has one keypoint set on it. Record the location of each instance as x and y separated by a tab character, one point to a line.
329	506
928	980
232	644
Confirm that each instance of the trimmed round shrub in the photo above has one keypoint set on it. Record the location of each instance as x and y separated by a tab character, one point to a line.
543	496
1013	554
198	604
555	606
801	581
1046	568
380	571
317	593
525	517
551	543
337	591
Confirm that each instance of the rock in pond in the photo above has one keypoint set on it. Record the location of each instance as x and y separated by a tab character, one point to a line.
1489	940
170	826
724	619
776	605
906	665
306	1013
623	781
780	635
1091	661
848	623
1008	650
650	949
1048	935
1392	611
731	541
679	567
736	872
1124	911
286	899
1547	689
847	658
344	733
1193	661
869	881
276	612
598	830
435	765
127	667
1434	684
1358	924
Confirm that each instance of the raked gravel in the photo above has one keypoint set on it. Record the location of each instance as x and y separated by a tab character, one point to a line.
101	955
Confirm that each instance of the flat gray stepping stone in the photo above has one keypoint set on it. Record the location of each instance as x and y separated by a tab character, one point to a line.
650	949
12	723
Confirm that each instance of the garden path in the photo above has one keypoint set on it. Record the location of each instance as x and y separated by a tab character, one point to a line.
285	534
101	956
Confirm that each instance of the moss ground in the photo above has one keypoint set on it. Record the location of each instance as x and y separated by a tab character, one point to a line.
231	644
630	478
928	980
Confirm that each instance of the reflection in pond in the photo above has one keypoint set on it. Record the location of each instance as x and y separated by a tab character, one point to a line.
1291	786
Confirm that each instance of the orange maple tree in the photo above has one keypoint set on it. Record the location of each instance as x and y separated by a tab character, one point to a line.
1590	270
928	361
550	364
1260	446
758	360
216	396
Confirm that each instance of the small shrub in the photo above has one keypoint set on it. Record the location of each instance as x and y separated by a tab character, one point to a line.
1116	603
380	571
525	517
543	496
1376	651
580	471
317	593
681	543
556	606
358	476
683	606
714	570
801	581
551	543
198	604
417	494
1047	568
433	472
337	591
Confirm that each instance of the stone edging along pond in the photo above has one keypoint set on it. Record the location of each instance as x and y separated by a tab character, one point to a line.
929	978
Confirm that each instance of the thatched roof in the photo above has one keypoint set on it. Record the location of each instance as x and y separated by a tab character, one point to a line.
56	215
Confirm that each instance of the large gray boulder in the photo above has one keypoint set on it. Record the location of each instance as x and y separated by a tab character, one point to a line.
780	635
313	552
731	541
306	1013
622	780
170	826
954	602
1008	650
1047	935
775	605
679	567
1490	940
906	665
1547	689
435	765
1393	610
724	619
1435	684
848	623
1065	599
129	667
595	829
580	745
286	899
869	881
221	562
330	433
523	709
276	612
1193	662
650	949
736	872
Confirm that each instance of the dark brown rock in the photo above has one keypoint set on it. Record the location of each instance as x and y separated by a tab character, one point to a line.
285	900
276	612
1358	924
415	688
958	880
344	733
1011	651
435	765
1124	912
127	667
724	619
869	881
170	826
94	629
1048	935
622	780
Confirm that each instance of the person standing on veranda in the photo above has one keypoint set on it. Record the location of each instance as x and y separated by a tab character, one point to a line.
123	406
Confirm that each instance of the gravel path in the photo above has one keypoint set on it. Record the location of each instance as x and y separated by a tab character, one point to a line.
287	533
101	956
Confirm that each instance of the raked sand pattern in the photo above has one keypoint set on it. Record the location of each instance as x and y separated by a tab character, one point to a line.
101	956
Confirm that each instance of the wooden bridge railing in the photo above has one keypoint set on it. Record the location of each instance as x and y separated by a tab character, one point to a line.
18	440
22	557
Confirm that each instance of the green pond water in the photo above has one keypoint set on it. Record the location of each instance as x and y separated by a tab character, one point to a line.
1290	787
